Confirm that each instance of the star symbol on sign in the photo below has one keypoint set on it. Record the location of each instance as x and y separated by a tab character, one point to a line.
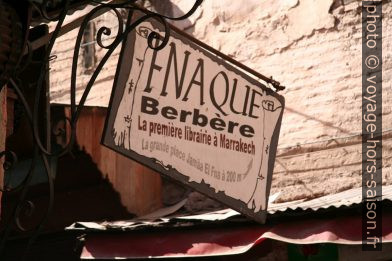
127	119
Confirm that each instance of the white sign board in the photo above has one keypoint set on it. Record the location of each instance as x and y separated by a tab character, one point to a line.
189	114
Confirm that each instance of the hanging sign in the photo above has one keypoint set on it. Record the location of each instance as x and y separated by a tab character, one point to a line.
191	115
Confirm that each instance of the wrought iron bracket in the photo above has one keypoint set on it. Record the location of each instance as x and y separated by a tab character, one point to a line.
42	150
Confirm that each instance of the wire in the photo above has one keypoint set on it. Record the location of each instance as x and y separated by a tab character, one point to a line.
327	140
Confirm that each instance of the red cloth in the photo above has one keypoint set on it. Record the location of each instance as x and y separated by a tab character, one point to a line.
226	240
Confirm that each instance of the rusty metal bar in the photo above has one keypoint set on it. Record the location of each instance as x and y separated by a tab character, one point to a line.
274	83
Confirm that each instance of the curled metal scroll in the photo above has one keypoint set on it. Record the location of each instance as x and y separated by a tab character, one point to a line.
41	151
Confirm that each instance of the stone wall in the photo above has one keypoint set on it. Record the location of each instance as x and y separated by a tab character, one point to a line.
60	68
311	47
314	49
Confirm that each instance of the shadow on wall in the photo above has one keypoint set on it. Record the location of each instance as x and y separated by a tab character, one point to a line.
171	10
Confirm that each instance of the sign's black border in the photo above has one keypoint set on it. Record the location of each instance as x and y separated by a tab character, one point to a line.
121	77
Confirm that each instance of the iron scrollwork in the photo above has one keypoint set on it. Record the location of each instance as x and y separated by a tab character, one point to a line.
41	149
